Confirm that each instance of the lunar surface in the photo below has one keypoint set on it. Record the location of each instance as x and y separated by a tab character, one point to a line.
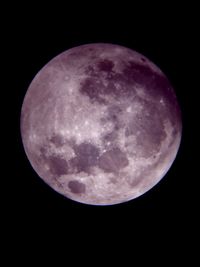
101	124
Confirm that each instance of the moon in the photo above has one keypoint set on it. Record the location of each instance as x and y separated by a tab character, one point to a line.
101	124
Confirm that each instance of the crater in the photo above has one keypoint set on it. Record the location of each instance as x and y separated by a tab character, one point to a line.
113	160
113	112
43	151
57	140
76	187
110	137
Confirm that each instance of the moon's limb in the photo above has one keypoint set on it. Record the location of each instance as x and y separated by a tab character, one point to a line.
101	124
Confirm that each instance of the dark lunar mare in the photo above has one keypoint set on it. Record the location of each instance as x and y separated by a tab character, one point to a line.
133	74
94	89
58	166
76	187
113	160
157	86
86	157
105	65
148	128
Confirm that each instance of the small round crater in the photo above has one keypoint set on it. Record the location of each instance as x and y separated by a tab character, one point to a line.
129	131
57	140
43	151
76	187
113	112
110	137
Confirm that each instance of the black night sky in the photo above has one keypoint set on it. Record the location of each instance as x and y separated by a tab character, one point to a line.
167	212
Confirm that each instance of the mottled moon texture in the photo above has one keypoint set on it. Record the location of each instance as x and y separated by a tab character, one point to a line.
100	124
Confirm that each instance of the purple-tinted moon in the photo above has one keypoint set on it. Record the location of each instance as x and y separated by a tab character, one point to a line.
100	124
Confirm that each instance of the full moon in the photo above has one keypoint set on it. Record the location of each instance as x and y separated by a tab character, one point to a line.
100	124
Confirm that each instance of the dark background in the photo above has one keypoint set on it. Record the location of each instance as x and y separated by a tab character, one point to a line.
166	216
